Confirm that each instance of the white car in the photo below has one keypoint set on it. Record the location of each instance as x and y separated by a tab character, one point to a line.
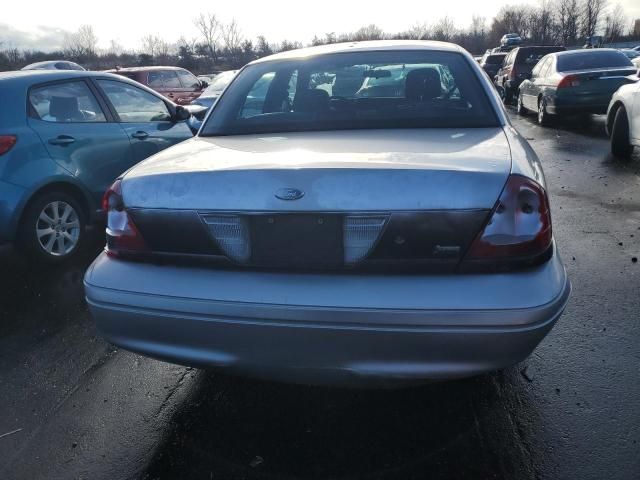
623	120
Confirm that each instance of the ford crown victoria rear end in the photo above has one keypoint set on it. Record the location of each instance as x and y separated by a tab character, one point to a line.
367	217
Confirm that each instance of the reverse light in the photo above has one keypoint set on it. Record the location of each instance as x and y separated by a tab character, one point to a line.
359	236
232	235
569	81
519	226
6	143
122	235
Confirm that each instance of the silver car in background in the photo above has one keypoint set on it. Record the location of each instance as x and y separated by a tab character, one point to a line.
309	234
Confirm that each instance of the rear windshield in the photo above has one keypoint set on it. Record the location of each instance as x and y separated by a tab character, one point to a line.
355	90
494	59
586	60
531	56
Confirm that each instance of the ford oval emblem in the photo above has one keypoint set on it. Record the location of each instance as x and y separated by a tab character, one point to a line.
289	194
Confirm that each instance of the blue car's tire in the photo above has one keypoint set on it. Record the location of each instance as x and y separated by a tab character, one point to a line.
52	228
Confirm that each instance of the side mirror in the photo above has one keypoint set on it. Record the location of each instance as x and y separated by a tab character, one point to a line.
181	114
203	84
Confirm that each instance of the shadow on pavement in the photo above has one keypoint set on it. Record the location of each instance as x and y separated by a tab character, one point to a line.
236	428
40	297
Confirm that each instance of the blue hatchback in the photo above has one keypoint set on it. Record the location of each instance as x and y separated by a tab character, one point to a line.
64	137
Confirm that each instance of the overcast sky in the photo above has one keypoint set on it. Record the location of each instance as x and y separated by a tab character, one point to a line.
42	23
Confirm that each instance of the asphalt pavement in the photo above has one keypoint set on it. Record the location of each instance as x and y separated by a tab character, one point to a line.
72	406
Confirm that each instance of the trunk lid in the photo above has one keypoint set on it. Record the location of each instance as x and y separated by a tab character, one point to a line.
598	82
342	171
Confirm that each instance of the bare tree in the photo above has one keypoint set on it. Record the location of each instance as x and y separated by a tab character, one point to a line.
155	46
368	32
615	22
417	31
210	29
567	21
478	26
81	44
444	29
591	15
231	36
542	23
115	48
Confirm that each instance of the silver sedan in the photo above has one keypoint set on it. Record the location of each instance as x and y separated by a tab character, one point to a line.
354	214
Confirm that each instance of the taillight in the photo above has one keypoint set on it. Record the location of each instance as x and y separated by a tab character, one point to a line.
122	235
519	226
569	81
6	143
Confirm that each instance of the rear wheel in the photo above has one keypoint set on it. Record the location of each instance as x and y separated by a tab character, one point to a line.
544	118
520	108
620	145
52	228
508	96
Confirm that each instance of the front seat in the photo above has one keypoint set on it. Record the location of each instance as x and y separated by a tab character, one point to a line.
422	84
311	101
65	109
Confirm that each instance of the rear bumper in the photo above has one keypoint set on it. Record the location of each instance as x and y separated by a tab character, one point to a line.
327	329
595	104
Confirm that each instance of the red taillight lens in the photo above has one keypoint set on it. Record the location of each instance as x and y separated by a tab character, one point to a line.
6	143
520	224
122	235
569	81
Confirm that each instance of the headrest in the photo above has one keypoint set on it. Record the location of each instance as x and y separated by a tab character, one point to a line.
423	84
64	108
311	101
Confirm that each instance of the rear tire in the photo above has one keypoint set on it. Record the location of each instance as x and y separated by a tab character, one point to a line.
620	145
520	108
508	96
544	119
52	228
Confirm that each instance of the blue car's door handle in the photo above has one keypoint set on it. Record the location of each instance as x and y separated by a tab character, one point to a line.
62	140
140	135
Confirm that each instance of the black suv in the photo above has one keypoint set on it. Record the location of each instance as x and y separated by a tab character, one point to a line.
517	67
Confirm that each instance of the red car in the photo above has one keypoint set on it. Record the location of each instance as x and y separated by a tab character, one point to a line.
177	84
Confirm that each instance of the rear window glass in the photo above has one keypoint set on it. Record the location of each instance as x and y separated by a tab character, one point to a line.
533	56
65	102
494	59
359	90
586	60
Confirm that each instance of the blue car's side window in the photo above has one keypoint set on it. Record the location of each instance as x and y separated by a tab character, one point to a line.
134	105
66	102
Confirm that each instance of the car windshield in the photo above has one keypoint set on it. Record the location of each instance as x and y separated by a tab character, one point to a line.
355	90
219	83
586	60
631	53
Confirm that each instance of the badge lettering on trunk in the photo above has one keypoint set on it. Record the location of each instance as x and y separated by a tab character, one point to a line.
289	194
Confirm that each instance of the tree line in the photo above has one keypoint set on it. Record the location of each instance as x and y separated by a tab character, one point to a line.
222	45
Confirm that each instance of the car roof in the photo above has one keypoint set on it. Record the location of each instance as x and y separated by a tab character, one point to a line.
366	46
586	50
143	69
30	77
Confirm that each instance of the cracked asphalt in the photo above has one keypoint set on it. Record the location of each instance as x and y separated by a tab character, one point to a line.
71	406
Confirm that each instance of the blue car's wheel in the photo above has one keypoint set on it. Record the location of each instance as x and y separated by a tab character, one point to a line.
52	227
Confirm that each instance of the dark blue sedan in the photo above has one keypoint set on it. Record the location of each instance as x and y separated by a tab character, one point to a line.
64	137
